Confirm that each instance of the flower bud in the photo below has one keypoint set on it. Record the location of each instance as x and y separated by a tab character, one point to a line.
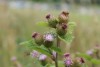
51	21
38	38
67	55
82	60
63	17
42	59
61	29
48	40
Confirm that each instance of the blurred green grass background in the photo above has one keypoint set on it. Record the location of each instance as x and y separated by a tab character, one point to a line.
17	25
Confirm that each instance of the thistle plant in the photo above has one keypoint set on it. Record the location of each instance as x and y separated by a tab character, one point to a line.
46	45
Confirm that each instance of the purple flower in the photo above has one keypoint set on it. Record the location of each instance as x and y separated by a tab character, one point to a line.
89	52
13	58
68	62
34	53
42	57
49	37
54	54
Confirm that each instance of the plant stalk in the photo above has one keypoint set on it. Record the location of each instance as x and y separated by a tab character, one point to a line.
56	58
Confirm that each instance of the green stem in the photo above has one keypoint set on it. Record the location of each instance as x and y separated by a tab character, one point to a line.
56	58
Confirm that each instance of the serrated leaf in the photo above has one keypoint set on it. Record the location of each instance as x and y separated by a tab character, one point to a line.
42	24
42	50
71	26
67	39
56	49
85	56
29	44
95	61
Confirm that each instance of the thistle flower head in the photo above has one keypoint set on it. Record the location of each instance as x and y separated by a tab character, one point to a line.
42	57
68	62
49	37
34	54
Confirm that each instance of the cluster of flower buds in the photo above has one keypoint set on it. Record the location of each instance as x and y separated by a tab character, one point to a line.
46	39
41	57
73	62
60	24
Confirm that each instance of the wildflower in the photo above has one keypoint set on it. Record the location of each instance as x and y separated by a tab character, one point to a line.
63	17
62	29
48	39
54	54
51	21
34	54
42	59
68	62
38	38
90	52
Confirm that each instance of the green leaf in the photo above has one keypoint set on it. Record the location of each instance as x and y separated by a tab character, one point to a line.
29	44
42	50
85	56
42	24
95	61
71	26
56	49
